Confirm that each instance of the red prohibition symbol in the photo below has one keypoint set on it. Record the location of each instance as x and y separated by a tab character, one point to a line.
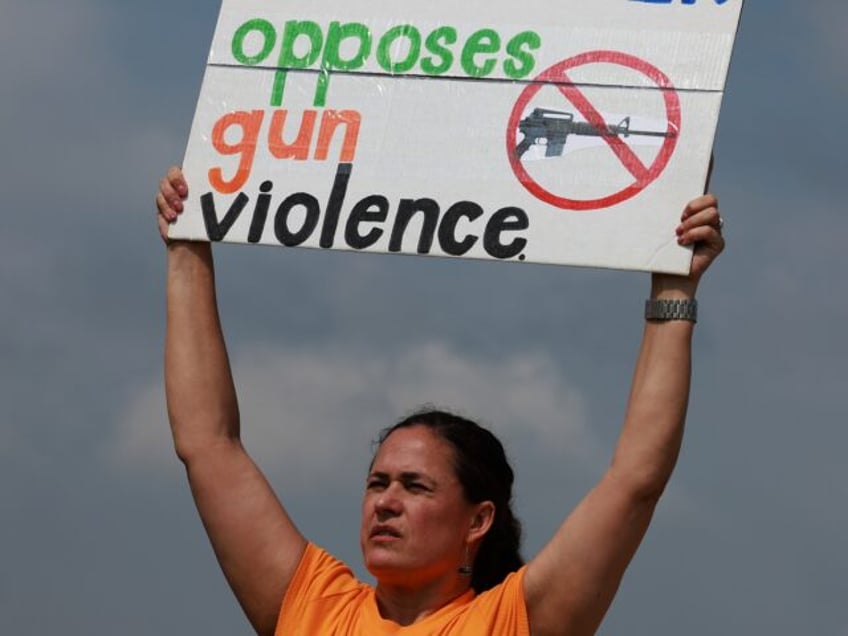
557	75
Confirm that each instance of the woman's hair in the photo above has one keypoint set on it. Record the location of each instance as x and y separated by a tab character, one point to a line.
485	474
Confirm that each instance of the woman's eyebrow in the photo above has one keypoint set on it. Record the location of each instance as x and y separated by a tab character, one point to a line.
415	476
407	475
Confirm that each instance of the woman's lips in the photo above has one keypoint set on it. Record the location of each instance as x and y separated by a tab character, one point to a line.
384	532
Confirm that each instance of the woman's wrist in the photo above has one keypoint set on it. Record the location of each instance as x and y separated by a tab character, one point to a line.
178	248
672	287
189	256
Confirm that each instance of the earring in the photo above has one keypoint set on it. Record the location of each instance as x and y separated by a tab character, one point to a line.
465	569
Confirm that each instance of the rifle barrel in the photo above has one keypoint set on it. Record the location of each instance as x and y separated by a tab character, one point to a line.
586	129
649	133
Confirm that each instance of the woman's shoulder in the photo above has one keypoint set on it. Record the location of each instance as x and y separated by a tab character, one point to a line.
324	591
323	573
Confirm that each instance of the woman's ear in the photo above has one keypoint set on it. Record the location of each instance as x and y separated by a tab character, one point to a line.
484	516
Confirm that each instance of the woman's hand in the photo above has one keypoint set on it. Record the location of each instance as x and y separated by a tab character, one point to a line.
700	227
169	200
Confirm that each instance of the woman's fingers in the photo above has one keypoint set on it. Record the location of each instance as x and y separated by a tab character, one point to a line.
169	200
701	226
700	212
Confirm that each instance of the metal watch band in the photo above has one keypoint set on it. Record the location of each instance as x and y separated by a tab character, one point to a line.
671	310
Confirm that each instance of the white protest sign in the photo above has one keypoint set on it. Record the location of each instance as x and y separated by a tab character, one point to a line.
570	132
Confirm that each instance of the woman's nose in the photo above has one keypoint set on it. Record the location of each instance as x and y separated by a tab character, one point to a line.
388	503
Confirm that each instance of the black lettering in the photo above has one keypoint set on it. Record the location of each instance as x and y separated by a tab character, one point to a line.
372	209
214	230
260	212
447	228
334	205
458	230
281	227
505	220
406	210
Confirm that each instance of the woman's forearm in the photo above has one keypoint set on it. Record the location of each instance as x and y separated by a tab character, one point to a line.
202	404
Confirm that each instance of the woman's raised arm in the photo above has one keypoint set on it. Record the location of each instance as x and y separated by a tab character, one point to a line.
569	586
254	540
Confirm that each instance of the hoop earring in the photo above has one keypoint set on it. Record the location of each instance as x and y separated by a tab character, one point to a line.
465	569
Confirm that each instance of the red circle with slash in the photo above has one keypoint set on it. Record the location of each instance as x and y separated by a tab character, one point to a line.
557	76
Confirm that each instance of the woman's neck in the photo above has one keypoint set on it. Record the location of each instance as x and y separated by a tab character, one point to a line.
406	605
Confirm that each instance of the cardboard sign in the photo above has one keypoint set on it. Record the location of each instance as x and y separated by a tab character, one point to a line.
572	132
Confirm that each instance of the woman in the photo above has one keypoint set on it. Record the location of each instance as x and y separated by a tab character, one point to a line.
437	532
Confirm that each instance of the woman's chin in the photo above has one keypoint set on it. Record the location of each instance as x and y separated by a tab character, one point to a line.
385	566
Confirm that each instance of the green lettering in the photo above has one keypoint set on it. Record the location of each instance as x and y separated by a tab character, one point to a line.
337	34
384	53
437	43
482	42
519	48
288	59
294	31
257	25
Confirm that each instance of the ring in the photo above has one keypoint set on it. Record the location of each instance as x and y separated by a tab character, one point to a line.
720	224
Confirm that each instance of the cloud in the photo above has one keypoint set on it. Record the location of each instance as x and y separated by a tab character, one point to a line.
310	416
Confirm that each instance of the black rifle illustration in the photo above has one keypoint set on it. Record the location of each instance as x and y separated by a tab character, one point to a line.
554	126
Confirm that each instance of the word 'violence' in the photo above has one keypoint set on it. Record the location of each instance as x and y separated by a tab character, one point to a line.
299	215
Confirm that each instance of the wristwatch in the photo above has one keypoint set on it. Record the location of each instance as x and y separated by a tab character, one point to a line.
671	310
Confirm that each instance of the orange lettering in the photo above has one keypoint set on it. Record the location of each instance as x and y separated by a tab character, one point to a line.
299	150
250	123
331	120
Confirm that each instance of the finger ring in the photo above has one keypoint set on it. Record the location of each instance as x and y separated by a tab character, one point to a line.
720	224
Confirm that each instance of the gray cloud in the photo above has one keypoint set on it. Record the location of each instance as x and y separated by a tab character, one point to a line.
308	414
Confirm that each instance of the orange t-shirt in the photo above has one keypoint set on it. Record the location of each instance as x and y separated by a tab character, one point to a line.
325	598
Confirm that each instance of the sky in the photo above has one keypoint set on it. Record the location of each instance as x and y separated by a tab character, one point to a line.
98	533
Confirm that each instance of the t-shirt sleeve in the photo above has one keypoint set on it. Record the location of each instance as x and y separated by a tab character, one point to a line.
320	582
501	610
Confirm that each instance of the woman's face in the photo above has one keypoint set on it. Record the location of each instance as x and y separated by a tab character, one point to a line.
415	519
